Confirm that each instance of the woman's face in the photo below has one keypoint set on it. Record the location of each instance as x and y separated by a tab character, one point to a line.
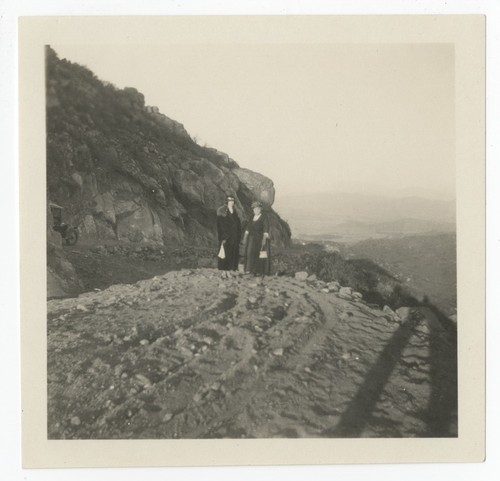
257	210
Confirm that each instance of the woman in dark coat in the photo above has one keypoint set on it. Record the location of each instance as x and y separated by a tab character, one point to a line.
229	235
257	243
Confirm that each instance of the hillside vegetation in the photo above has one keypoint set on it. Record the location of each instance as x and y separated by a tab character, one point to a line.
126	173
424	264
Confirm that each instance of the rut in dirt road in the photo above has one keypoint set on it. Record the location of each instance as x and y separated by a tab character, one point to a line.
205	354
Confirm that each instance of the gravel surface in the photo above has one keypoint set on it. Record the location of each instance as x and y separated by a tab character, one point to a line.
200	353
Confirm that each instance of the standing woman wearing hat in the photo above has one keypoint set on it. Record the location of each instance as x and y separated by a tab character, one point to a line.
257	243
229	234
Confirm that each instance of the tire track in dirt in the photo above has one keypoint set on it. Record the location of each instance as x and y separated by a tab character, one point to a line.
203	354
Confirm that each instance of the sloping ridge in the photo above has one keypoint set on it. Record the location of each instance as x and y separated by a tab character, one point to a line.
126	173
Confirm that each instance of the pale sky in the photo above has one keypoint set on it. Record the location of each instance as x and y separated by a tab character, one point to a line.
375	118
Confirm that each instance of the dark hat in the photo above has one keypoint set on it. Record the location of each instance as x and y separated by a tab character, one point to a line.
256	203
230	197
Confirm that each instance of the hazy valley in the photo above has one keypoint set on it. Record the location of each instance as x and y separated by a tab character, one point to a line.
350	217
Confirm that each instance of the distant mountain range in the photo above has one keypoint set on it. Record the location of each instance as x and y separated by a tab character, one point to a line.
427	264
333	215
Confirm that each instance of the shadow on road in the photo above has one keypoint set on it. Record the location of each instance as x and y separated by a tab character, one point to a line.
441	412
441	415
358	413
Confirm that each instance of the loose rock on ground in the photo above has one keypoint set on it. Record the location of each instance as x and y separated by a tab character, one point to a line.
179	357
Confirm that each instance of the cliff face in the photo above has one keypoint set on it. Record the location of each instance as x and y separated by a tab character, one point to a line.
126	173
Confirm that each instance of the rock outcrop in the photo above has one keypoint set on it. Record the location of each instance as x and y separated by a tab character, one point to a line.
171	124
126	173
61	276
259	185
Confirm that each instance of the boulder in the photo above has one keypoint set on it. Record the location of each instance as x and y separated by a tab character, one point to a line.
172	125
143	225
88	228
222	157
301	276
390	313
404	313
261	187
346	293
78	179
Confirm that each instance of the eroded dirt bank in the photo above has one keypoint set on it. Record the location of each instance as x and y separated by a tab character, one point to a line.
198	354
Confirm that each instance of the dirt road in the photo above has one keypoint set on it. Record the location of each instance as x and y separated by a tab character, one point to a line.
196	354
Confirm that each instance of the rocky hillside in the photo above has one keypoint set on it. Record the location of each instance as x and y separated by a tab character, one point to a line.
62	278
201	353
424	264
125	173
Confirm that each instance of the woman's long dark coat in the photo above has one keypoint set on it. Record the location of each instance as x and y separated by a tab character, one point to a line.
229	230
254	244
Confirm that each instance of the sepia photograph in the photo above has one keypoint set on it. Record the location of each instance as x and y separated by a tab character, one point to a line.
252	240
266	248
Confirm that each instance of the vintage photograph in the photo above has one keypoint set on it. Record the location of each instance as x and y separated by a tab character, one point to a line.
251	240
